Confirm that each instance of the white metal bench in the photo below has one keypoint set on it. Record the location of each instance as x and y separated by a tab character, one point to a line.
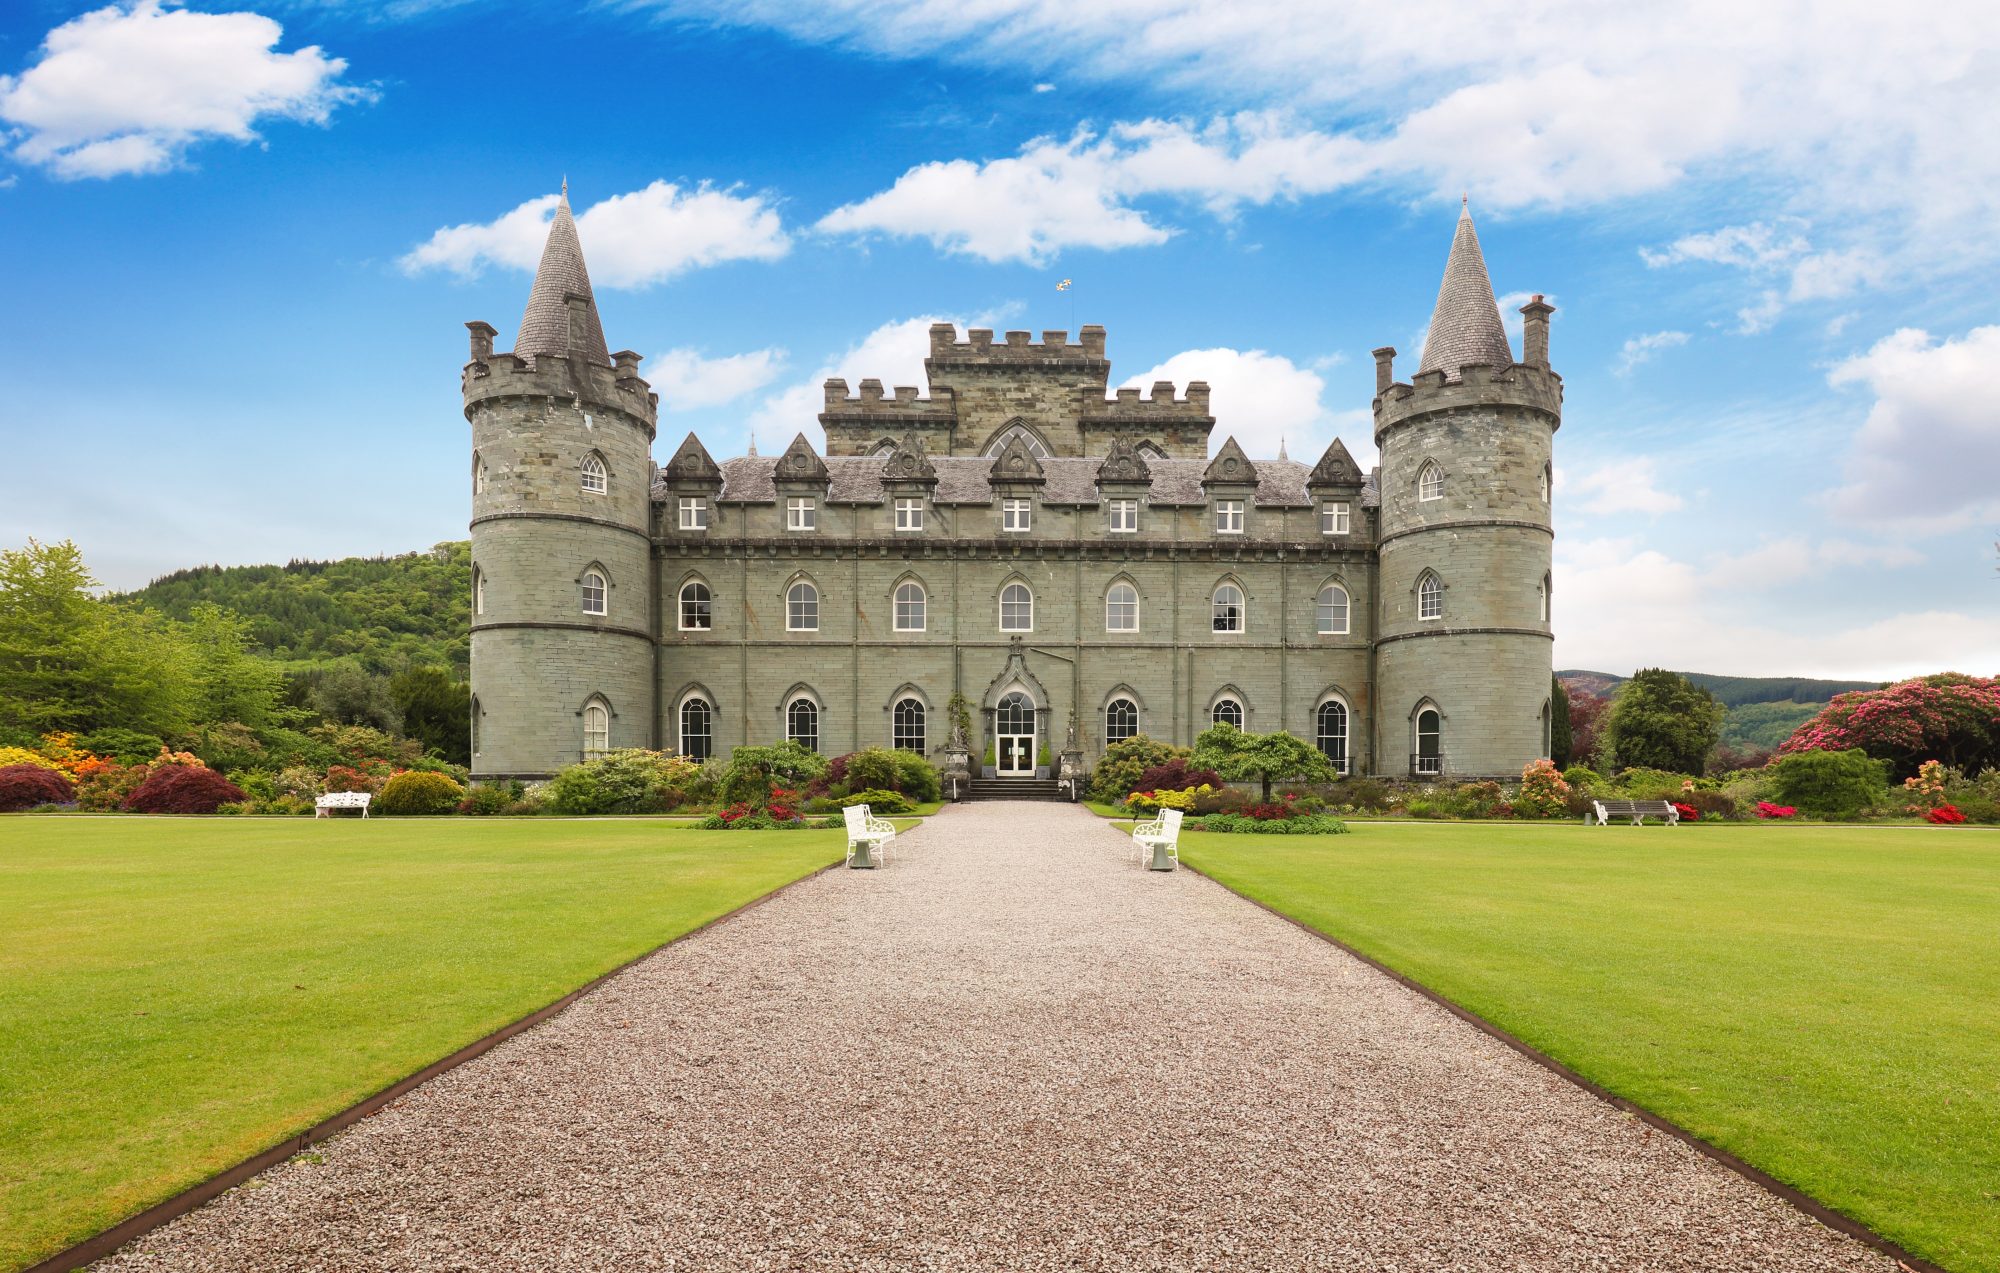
326	804
1162	838
1637	810
865	831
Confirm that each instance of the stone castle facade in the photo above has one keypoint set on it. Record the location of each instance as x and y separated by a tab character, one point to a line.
1073	562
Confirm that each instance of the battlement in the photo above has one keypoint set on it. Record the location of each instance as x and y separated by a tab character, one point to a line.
1478	385
491	376
874	402
1128	407
1016	349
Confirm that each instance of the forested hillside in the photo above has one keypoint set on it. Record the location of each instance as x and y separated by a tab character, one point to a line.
1762	710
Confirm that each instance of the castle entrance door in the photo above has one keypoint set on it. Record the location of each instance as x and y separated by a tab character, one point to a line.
1014	737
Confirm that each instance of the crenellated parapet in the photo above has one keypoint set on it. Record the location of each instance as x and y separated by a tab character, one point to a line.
491	377
1478	387
1017	348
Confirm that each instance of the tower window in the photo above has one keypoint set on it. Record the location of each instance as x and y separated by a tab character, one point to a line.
1333	610
1121	720
1542	597
1548	483
906	726
1430	597
1430	482
1228	608
909	514
802	608
1429	757
478	591
1015	515
802	723
594	590
801	514
910	607
694	513
596	728
697	729
1017	608
1121	608
697	609
1229	517
1227	711
1334	517
478	476
1124	516
1330	733
594	478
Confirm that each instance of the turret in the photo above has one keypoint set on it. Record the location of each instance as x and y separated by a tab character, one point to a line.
1463	645
562	434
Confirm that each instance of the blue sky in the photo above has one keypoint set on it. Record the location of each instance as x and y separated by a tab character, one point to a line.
243	239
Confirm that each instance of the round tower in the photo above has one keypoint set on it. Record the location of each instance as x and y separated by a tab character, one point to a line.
1463	649
562	623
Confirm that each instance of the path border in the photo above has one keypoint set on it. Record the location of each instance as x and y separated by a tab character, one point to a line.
134	1227
1835	1220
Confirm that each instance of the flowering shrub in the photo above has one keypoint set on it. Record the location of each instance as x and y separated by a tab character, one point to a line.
625	781
106	788
185	759
1544	792
348	778
25	786
178	788
415	792
13	756
1687	812
1305	824
1154	801
781	814
1951	718
1765	809
1177	774
1944	815
1927	786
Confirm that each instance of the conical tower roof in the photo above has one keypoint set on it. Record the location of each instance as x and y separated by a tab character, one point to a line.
1465	328
545	325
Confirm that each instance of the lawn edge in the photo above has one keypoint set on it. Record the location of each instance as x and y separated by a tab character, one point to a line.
1799	1200
136	1226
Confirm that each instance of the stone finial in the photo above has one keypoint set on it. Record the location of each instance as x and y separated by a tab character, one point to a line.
1230	467
1535	332
1385	369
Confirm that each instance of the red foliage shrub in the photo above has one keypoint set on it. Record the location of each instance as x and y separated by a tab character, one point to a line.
25	786
183	789
1687	812
1177	775
1274	812
1945	815
348	778
1765	809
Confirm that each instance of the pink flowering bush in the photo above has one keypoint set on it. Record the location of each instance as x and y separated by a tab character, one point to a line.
1945	816
1544	793
1765	809
1949	718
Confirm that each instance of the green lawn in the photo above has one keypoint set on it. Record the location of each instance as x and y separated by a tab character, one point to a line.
176	995
1823	1002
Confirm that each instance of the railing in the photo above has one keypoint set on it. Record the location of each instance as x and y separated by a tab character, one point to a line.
1422	765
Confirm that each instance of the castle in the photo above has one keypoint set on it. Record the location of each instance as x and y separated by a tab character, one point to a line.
1074	563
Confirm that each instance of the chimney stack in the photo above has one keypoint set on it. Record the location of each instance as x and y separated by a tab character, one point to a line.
1535	332
1385	369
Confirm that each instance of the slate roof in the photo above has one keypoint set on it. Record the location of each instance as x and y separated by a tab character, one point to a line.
965	479
1465	327
545	325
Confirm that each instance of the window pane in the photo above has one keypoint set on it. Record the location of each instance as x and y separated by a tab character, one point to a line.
1121	608
802	608
1124	515
695	612
593	593
907	730
1014	514
910	608
1430	598
1017	608
1229	608
1333	517
1227	712
802	723
593	474
596	729
1332	734
1121	720
1430	483
697	730
1332	610
1016	715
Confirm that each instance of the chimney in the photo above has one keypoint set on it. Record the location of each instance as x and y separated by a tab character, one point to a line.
1535	332
627	362
1385	369
482	340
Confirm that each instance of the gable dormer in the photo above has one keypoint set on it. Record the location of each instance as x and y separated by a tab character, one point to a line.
1229	468
692	468
1336	470
1016	466
1124	466
800	465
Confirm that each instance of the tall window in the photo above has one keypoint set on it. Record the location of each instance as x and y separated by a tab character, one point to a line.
1228	608
697	729
1121	720
910	607
906	726
1017	608
802	723
1542	596
694	513
1015	515
478	475
475	724
478	591
1227	711
1334	517
1547	482
1124	516
801	513
1333	610
1430	743
1229	517
802	608
594	479
909	514
1330	733
1430	597
593	592
1430	482
596	728
697	608
1121	608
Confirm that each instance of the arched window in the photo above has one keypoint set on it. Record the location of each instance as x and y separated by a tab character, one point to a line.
802	607
478	591
1121	608
1330	732
1542	596
475	724
697	607
906	725
1548	482
1333	610
1430	597
1548	736
1430	743
1430	482
1016	715
1151	450
1017	608
1228	608
1227	711
802	723
478	474
697	728
594	591
1121	720
596	728
594	478
911	607
1036	447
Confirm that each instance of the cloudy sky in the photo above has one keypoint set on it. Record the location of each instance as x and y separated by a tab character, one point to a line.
241	244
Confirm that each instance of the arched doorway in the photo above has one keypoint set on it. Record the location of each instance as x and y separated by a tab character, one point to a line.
1014	736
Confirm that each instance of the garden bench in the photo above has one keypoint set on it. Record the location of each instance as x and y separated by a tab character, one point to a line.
324	806
1162	837
1637	810
866	832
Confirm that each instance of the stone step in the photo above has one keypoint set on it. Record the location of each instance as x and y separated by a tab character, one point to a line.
1012	789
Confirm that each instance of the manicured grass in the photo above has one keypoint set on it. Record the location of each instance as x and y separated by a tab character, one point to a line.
176	995
1822	1001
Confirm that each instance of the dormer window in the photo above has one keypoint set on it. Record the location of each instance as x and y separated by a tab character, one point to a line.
1229	517
1334	517
1016	515
594	477
1123	516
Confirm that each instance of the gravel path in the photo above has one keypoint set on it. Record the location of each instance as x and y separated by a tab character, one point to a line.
1012	1049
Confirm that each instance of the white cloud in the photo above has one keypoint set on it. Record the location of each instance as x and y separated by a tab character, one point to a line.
1773	254
1045	87
1926	456
132	87
629	240
1794	558
1757	244
1643	349
686	380
1629	485
893	353
1264	400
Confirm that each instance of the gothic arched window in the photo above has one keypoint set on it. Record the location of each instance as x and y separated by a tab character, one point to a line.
1121	608
595	591
596	728
1121	720
802	723
802	607
697	728
1430	597
697	607
1017	608
910	607
1430	482
906	725
1330	732
1332	609
595	479
1227	711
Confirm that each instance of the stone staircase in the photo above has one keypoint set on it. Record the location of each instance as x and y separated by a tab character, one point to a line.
1012	789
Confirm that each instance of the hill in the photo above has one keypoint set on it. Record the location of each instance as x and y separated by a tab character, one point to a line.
1762	710
380	612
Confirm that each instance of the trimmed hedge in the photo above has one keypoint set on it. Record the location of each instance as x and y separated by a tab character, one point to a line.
1239	824
417	793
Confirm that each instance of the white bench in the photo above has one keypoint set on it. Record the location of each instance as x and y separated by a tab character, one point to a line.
1162	838
1637	810
865	831
326	804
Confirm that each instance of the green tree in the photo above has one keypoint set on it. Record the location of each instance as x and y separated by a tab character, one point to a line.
436	710
1242	757
347	695
1559	732
229	682
1662	720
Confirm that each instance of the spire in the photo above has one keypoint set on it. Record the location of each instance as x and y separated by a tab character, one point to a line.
546	326
1465	328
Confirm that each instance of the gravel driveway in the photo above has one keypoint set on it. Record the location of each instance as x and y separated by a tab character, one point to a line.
1013	1049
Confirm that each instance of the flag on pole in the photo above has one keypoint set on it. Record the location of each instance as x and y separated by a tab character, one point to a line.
1063	286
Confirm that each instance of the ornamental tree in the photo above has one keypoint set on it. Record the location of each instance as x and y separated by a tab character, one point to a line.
1245	757
1947	717
1560	734
1662	720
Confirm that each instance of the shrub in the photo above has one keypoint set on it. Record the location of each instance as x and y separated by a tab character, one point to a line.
126	746
417	793
1124	763
1710	804
178	788
1830	783
1949	717
348	778
1543	793
106	789
627	781
26	786
1369	794
1980	810
878	801
754	771
1154	801
14	757
1944	815
1220	800
1584	779
883	769
1687	812
1236	823
1765	809
1177	774
1471	800
1653	784
489	799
